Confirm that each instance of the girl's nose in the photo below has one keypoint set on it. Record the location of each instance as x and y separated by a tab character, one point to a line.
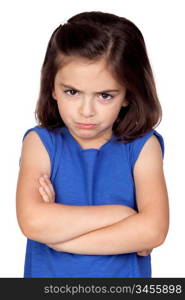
87	107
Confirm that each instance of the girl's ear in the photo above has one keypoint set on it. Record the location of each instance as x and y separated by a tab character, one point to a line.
54	95
125	102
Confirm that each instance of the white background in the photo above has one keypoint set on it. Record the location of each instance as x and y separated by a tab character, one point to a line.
25	29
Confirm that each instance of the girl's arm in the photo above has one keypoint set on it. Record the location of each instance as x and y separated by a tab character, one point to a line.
119	238
47	192
146	229
54	222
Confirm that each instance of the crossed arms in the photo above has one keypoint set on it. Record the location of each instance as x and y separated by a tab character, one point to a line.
105	229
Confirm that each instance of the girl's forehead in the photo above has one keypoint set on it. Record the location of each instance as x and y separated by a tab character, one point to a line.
76	69
79	66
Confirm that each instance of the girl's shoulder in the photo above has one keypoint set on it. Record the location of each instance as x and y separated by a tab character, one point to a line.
45	135
135	146
49	138
52	141
44	132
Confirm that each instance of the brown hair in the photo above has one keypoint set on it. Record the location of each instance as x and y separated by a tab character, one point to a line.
95	35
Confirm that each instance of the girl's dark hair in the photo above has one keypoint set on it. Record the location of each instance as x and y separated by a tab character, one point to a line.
95	35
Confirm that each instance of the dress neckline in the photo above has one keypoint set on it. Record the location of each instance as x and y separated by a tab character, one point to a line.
74	142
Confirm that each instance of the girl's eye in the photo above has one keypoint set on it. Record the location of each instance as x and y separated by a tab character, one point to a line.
72	92
104	95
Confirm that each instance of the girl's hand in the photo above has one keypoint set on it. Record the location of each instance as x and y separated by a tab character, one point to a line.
144	252
48	195
46	189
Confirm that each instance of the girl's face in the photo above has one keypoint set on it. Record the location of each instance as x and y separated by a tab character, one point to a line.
87	93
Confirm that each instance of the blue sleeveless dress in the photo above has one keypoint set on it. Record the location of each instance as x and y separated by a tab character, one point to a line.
89	177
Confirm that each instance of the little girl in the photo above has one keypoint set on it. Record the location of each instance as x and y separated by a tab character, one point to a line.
91	195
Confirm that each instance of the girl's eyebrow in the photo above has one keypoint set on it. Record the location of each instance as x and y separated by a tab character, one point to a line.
71	87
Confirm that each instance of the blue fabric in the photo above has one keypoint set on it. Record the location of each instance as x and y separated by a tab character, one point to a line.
89	177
